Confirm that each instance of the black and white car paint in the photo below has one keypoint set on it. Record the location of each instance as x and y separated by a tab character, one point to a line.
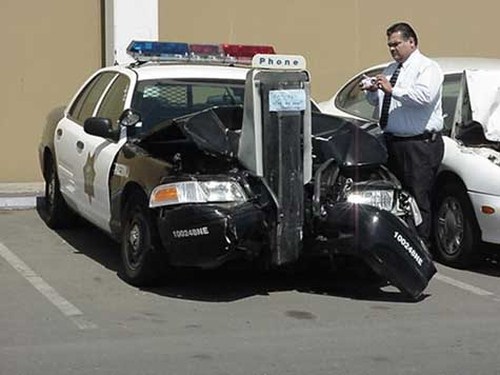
220	174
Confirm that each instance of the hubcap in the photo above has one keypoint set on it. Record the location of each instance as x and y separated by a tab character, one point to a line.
51	190
450	228
134	240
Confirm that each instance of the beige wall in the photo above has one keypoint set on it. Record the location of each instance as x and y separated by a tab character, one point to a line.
48	49
338	38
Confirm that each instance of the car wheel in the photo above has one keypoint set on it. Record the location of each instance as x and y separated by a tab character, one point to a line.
140	250
57	214
456	231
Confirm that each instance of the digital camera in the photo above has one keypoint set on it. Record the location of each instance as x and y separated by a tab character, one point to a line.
367	83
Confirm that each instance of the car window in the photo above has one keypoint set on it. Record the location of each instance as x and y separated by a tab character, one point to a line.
352	99
160	100
85	103
113	104
451	88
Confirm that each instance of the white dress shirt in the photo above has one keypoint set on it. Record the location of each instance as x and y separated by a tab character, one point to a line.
416	97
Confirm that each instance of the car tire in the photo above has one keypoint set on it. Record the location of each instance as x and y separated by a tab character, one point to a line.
56	213
456	232
140	249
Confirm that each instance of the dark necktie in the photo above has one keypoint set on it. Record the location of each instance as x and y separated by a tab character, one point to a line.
384	115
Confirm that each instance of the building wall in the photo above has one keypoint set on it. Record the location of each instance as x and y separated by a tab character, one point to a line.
50	47
338	37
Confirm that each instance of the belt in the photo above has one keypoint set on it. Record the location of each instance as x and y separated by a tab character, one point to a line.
419	137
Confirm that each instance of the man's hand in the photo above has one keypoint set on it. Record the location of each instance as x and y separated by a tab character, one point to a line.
383	83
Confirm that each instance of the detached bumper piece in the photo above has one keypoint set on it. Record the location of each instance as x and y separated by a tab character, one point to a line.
209	235
386	244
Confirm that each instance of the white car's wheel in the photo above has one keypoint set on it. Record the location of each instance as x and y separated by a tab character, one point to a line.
456	232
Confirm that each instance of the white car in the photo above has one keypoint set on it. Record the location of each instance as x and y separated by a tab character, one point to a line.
467	190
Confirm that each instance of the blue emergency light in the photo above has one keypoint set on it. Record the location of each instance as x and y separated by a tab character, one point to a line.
140	50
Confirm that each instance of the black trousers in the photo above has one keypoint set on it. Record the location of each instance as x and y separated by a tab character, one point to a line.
415	164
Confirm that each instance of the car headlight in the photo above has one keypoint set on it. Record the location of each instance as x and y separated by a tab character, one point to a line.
417	215
196	192
386	200
382	199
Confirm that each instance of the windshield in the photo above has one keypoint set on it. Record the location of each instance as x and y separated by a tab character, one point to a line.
160	100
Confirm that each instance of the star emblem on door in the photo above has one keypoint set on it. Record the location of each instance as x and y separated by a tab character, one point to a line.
89	176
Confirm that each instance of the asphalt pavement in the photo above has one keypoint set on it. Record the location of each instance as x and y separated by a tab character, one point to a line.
66	311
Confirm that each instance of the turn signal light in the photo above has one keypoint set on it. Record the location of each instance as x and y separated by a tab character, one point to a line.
487	210
167	194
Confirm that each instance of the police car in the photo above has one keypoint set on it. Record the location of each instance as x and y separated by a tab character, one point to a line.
195	155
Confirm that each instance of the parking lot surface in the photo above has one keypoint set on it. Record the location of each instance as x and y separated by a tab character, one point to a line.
65	310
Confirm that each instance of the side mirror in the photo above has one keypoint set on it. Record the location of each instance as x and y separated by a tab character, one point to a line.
101	127
129	118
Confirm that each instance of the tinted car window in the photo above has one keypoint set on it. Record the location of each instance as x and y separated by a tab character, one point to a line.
353	100
84	105
160	100
113	103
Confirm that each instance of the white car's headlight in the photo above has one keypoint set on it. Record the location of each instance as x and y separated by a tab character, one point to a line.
382	199
196	192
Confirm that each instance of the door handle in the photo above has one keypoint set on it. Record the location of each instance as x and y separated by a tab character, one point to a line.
80	145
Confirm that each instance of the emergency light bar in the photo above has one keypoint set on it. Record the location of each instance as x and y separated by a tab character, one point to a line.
143	51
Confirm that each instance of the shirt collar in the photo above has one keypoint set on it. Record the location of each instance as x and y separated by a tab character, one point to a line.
415	55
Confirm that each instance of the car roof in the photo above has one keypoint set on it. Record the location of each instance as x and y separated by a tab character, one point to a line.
149	71
458	64
451	65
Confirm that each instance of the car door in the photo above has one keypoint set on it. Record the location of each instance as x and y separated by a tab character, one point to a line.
95	167
69	137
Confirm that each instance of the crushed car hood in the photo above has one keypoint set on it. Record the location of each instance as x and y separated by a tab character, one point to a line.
341	139
216	131
483	88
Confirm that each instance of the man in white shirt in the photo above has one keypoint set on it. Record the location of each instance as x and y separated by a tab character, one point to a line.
408	96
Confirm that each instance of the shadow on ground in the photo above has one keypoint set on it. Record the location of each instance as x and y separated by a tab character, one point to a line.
352	280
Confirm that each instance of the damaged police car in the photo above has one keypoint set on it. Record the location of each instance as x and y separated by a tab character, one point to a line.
192	156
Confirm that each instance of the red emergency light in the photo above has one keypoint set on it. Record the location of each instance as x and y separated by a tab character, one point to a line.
248	51
205	49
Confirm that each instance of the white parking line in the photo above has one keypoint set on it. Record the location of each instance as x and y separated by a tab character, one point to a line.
66	307
462	285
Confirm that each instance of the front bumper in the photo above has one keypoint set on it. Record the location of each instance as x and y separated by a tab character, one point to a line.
384	242
208	235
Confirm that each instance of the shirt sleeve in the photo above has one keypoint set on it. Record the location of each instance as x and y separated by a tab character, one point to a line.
424	90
